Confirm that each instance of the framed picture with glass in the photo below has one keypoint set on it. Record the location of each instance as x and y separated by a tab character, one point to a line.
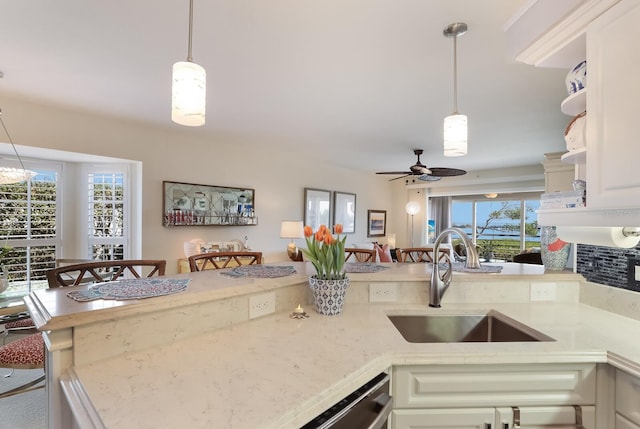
188	204
344	211
376	223
317	207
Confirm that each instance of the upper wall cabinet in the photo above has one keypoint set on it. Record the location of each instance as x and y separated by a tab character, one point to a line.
604	33
613	129
552	33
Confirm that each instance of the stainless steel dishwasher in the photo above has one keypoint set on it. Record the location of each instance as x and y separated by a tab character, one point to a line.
368	407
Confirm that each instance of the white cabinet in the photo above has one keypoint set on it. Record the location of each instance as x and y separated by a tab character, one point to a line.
546	417
604	32
493	396
457	418
627	401
499	418
613	128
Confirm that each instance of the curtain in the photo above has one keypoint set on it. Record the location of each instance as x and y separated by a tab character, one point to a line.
440	211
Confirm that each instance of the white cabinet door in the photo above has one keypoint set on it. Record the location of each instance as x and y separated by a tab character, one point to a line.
613	90
628	396
442	386
545	417
622	423
458	418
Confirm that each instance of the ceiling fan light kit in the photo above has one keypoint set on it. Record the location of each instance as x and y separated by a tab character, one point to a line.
189	88
455	125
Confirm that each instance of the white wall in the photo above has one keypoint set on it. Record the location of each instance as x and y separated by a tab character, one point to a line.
181	154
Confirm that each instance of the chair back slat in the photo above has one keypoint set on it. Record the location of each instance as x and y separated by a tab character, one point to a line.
102	271
219	260
422	254
360	255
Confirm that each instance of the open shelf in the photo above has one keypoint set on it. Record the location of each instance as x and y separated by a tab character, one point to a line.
575	156
575	103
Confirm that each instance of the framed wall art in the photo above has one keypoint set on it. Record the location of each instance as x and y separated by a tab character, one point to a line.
193	204
317	207
344	211
376	223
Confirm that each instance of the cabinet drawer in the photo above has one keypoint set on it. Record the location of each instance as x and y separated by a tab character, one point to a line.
546	417
455	418
433	386
628	396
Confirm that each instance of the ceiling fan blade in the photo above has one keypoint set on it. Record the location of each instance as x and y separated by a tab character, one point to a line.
401	177
424	173
446	172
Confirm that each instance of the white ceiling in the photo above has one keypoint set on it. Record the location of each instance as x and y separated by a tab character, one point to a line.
362	82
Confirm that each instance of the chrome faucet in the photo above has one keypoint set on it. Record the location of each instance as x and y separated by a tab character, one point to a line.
440	284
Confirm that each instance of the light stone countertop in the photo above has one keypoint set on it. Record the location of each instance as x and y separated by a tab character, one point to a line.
52	309
278	372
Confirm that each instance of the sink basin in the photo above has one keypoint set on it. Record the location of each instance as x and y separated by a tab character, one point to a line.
464	328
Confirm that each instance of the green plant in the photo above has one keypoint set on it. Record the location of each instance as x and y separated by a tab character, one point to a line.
4	251
487	247
325	252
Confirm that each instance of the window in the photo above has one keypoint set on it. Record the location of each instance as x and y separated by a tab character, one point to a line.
28	224
501	228
107	219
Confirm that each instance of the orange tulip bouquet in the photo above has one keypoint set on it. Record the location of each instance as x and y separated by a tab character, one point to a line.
325	252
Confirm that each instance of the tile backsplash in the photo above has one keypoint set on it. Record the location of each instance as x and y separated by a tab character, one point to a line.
606	265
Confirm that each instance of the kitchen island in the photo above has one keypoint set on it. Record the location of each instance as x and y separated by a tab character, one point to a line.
194	359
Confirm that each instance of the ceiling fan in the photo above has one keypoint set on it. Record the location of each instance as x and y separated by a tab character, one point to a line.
430	174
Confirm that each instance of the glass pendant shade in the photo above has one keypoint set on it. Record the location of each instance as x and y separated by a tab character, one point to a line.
455	135
189	94
10	175
455	125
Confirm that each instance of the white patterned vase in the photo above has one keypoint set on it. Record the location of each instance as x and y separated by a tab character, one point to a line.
328	295
554	252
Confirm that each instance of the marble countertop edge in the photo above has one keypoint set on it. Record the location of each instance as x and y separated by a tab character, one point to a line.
213	285
370	345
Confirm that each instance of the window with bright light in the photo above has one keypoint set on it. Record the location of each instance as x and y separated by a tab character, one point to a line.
29	225
107	219
501	228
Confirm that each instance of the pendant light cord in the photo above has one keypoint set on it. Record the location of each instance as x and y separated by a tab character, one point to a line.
11	141
189	57
455	74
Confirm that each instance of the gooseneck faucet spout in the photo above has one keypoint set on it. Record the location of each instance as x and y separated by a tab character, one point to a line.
439	284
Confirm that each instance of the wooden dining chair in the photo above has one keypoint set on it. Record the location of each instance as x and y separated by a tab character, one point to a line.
25	324
219	260
28	352
72	272
360	255
102	271
422	254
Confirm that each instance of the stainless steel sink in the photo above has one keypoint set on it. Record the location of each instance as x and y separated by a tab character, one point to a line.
464	328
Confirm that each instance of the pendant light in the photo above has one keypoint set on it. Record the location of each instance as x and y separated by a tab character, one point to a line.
10	175
189	88
455	125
